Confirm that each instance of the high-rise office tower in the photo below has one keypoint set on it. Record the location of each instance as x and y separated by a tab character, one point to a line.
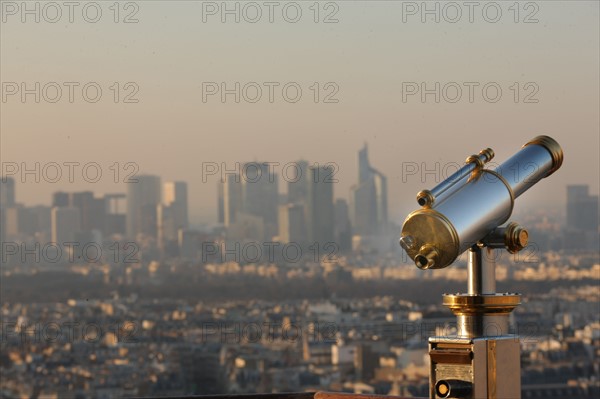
582	209
115	216
43	220
220	203
297	182
291	223
320	213
92	210
581	232
298	179
232	198
369	198
148	220
143	197
343	227
7	200
2	225
190	243
168	229
12	221
176	197
60	198
65	224
24	221
7	192
260	196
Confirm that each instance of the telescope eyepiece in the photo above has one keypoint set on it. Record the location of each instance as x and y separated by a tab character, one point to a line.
427	257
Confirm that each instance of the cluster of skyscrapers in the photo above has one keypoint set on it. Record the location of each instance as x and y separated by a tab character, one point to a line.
250	206
149	210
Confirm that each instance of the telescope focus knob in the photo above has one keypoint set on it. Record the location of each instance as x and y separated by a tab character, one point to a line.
516	237
513	237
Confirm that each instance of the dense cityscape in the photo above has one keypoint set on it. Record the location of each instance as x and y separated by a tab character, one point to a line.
119	296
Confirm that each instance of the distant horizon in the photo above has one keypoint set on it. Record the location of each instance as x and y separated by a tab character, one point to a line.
197	221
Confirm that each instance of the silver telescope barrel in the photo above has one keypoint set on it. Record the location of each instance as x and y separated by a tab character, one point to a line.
539	158
435	235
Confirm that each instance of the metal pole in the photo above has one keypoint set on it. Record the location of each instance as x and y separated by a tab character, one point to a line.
481	276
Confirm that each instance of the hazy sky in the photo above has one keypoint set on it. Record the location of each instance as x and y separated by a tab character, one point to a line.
371	56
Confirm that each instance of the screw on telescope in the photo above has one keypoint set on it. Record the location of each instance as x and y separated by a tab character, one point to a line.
407	242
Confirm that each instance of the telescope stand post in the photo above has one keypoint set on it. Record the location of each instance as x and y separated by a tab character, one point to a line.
480	279
482	360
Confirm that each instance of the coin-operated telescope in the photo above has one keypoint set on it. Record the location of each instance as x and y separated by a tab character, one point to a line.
466	212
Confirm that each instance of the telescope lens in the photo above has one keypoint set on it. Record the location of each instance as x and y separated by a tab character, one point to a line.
442	389
453	388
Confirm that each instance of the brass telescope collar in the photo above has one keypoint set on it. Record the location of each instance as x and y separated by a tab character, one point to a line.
553	147
464	304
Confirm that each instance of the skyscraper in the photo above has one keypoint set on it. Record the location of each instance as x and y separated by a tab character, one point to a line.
21	220
582	209
260	195
220	204
320	214
143	197
60	198
581	232
343	227
65	224
369	198
2	225
7	192
115	216
176	197
91	210
232	198
291	223
298	183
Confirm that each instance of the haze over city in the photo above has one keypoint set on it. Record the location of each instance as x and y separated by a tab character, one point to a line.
370	53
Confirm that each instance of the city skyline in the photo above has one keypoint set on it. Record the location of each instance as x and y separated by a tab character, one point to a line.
208	214
213	217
